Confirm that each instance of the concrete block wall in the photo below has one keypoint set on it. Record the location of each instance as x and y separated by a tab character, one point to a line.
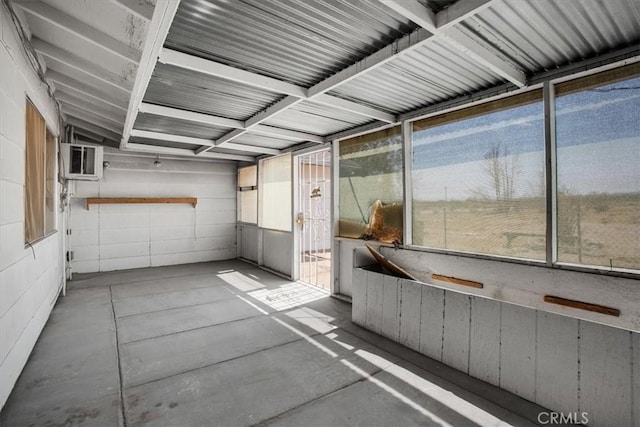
123	236
562	363
30	279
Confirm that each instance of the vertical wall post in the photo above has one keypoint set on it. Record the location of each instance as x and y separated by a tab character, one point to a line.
551	187
407	189
335	215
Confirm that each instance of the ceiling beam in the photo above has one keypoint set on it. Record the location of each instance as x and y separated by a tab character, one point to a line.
212	68
184	152
81	65
74	86
423	16
181	139
93	106
81	30
177	113
141	9
163	14
191	116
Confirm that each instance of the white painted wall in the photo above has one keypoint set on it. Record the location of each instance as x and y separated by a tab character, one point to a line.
248	242
560	362
30	281
277	251
122	236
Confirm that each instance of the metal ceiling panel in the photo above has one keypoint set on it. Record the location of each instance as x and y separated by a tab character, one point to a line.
163	124
301	42
429	74
180	88
545	34
318	119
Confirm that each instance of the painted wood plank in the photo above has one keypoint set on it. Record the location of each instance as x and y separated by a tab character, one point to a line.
605	374
133	200
484	352
390	314
359	297
455	344
557	362
374	317
432	322
410	302
518	351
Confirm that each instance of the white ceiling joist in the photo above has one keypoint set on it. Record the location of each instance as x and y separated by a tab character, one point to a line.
84	90
423	16
191	116
184	152
163	15
81	30
180	139
82	65
77	122
141	9
212	68
95	107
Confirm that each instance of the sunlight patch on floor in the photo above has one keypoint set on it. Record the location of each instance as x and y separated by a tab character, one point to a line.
288	296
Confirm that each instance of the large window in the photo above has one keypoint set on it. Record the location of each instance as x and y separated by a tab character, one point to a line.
248	194
478	179
275	193
39	189
598	164
371	186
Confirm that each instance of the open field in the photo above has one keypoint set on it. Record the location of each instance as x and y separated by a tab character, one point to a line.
601	230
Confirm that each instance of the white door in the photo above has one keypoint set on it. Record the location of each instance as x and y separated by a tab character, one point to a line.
313	220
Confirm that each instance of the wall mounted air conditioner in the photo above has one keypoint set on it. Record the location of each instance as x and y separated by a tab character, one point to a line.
82	162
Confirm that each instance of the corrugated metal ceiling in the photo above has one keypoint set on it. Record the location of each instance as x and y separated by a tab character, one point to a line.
545	34
295	41
304	42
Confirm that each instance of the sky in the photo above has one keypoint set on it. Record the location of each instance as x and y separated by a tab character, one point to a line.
597	134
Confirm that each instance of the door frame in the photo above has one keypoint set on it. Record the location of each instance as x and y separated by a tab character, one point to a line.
295	268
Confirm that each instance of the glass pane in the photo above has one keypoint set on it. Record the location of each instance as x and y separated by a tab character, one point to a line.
247	177
89	160
478	179
598	140
276	193
249	206
371	185
76	160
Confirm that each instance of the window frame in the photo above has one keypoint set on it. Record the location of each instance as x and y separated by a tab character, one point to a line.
241	189
47	219
598	76
261	171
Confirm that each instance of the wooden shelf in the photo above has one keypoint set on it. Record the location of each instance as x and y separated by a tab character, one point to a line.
119	200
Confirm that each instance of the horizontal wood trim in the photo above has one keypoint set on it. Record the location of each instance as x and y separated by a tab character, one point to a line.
582	305
131	200
456	281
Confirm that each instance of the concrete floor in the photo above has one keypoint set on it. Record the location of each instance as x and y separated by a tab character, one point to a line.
227	344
